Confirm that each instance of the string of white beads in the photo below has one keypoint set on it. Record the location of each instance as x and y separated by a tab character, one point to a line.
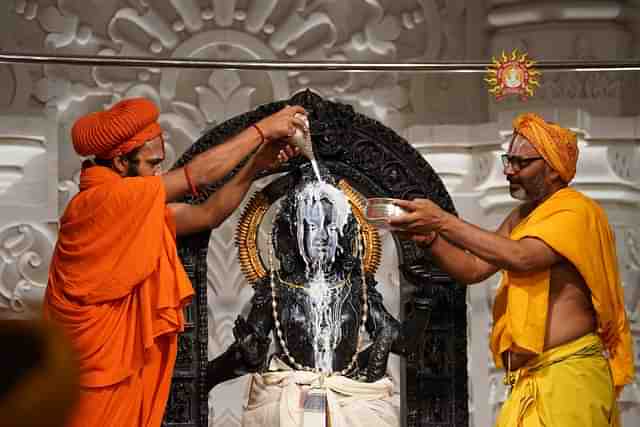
361	331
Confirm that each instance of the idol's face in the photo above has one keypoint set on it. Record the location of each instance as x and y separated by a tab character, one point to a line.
320	232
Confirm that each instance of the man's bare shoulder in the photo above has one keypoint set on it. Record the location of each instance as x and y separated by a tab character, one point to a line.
516	216
525	209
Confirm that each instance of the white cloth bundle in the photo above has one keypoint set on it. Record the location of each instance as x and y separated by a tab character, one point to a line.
276	398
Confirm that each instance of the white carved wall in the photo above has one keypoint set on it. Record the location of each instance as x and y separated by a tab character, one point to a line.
449	118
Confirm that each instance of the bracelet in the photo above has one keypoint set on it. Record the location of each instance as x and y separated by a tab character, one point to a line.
262	137
187	175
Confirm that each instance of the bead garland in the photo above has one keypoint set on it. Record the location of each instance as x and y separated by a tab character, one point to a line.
361	331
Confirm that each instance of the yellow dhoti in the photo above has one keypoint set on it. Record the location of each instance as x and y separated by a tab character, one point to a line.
569	385
276	400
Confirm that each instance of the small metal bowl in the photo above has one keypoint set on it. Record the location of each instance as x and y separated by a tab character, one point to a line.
380	210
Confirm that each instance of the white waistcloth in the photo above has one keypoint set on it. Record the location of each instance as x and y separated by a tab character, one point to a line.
276	399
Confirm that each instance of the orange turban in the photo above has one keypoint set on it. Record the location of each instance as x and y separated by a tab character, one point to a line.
118	130
557	145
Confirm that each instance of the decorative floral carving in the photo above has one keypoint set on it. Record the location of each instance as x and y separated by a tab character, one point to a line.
7	74
623	161
28	9
271	29
482	167
632	243
66	190
17	153
25	251
224	97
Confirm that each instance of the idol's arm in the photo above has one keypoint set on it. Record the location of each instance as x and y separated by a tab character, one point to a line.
385	332
249	351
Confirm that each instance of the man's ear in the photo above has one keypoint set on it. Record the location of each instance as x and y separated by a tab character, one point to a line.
121	165
553	175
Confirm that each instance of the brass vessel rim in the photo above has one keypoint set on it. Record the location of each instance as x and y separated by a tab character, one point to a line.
380	200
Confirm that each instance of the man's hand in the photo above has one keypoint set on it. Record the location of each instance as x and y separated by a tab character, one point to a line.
282	124
423	217
272	155
253	346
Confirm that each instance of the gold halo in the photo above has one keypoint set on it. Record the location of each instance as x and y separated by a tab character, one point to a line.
253	214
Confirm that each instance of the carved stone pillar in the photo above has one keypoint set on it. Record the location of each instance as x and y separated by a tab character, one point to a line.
28	210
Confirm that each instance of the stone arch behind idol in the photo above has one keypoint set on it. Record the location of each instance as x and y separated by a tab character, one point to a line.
377	162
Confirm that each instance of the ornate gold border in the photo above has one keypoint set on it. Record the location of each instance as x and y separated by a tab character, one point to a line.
370	236
253	214
247	237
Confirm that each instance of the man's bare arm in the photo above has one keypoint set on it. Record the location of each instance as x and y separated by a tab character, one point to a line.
522	256
469	253
222	203
210	214
215	163
463	266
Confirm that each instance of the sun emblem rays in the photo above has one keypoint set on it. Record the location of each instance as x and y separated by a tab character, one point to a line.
512	75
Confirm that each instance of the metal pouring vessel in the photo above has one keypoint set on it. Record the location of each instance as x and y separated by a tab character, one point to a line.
302	138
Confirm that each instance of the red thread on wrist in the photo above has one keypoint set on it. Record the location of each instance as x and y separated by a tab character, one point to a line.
187	175
262	137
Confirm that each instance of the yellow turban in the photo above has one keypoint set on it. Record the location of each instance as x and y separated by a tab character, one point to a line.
557	145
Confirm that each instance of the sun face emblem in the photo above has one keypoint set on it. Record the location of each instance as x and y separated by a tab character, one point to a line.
512	75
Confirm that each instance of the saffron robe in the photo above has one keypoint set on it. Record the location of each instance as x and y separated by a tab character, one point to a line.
575	227
118	288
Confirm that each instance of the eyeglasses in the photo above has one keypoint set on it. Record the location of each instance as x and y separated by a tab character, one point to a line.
517	163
